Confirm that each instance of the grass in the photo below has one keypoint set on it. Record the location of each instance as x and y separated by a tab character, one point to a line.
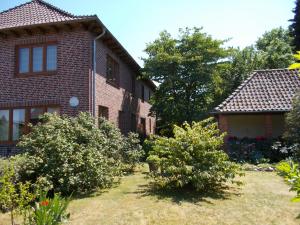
263	199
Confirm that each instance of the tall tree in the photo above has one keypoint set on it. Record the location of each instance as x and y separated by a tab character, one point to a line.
271	51
295	26
275	46
184	68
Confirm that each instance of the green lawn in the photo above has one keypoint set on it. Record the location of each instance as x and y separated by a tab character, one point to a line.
263	199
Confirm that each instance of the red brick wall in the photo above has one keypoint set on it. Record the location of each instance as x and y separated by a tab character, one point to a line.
120	99
72	78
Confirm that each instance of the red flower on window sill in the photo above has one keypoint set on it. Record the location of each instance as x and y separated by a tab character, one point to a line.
260	138
44	203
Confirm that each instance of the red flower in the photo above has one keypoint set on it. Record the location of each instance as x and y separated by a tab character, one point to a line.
44	203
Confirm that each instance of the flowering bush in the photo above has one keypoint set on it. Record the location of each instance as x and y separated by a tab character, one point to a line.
255	150
194	157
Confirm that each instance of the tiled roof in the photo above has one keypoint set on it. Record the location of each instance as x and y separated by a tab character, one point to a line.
34	12
264	91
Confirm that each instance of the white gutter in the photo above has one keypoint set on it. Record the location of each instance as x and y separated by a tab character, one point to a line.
94	72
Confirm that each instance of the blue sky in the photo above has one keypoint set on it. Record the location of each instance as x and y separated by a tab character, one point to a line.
137	22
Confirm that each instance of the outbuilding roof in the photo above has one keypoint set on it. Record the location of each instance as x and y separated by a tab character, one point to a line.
264	91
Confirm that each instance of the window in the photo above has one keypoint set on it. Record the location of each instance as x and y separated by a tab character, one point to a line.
14	122
18	123
133	122
150	125
23	60
103	112
35	113
143	126
143	93
133	85
112	71
51	57
36	59
4	125
149	95
121	121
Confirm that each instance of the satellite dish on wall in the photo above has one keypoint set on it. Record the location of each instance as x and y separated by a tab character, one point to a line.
74	102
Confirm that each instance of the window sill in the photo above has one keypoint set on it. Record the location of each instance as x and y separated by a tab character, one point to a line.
8	142
113	84
37	74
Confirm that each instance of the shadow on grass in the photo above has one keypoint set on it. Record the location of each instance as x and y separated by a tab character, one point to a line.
95	193
186	194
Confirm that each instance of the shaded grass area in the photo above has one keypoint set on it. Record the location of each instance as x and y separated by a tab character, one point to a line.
263	199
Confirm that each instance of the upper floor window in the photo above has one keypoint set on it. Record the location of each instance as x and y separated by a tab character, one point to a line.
133	85
36	59
143	93
112	71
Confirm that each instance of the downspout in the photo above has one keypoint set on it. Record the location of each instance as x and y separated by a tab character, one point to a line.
94	72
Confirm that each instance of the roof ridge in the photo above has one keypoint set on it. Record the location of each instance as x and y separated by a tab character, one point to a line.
55	8
49	6
237	90
280	69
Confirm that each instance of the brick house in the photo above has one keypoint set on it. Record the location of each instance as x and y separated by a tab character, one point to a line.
257	107
53	61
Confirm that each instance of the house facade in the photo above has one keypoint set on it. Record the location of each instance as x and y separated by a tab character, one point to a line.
53	61
257	107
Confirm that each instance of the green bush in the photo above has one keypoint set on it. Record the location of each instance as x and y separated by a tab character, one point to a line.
132	151
68	155
291	173
14	196
192	158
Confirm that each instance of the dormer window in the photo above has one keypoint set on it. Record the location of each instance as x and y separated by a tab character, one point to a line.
36	59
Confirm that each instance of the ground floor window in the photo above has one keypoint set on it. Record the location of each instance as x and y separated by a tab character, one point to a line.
103	112
14	121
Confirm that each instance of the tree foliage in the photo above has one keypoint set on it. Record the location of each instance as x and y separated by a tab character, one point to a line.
194	157
183	67
271	51
195	72
295	26
292	134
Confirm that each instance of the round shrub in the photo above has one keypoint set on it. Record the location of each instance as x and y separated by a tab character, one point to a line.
71	154
192	158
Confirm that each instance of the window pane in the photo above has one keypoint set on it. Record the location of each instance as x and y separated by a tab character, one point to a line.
23	60
18	123
51	57
38	59
4	125
34	115
53	110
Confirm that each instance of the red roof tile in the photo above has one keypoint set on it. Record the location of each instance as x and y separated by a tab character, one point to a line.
33	13
264	91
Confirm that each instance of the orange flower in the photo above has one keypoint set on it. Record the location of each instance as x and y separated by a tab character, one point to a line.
44	203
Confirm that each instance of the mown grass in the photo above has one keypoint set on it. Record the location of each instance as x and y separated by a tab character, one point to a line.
263	199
